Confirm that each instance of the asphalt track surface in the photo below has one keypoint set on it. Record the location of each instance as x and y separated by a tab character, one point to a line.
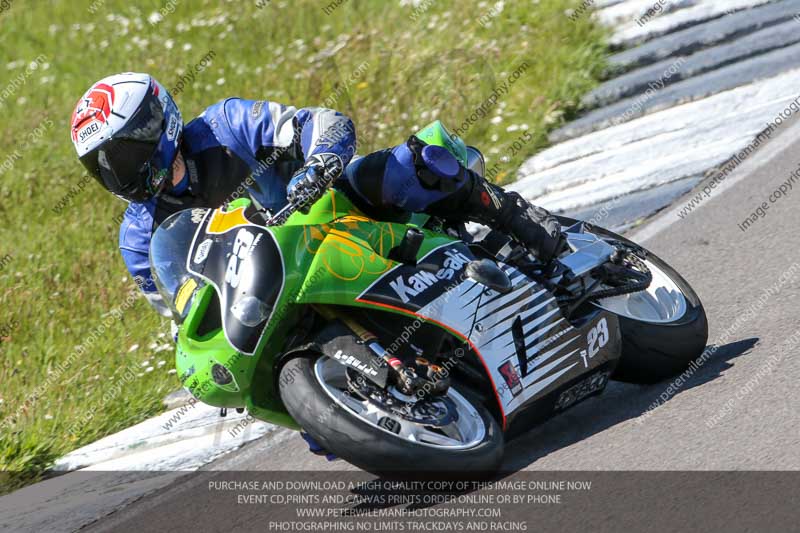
738	411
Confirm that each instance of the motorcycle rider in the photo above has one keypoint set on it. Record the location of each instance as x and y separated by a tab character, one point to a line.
129	134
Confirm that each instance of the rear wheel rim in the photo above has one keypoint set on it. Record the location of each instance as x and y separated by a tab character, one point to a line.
467	431
662	302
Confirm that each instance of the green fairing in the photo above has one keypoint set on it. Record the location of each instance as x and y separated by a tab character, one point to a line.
331	255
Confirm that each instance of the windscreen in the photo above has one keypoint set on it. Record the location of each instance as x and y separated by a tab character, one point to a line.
169	248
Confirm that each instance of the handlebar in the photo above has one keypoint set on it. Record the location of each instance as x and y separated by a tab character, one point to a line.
283	215
321	185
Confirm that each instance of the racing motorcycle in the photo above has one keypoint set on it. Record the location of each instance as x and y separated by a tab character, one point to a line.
409	346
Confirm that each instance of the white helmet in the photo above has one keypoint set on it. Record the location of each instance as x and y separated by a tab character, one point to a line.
127	129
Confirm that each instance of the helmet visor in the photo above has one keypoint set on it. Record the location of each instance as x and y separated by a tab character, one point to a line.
126	168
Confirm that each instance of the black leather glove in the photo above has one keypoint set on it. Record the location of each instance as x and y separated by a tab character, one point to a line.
310	182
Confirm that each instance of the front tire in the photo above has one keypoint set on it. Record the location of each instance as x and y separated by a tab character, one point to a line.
360	442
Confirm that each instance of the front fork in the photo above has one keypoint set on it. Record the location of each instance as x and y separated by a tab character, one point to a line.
408	381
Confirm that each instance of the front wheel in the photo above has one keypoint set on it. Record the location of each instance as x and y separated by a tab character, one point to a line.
314	390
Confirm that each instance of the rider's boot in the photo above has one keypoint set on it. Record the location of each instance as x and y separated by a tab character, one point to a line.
315	448
477	200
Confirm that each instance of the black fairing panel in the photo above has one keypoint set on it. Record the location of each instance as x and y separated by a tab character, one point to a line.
576	385
242	262
414	287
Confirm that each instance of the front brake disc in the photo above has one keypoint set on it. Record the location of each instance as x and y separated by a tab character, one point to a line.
438	411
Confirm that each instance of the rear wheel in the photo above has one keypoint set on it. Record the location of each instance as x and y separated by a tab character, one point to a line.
664	328
315	391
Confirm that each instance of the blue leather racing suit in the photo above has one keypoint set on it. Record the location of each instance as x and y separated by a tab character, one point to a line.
236	148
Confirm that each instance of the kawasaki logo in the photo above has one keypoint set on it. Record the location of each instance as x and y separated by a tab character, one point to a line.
351	361
414	285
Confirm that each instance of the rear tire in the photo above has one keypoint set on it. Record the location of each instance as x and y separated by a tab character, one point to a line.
375	450
655	351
